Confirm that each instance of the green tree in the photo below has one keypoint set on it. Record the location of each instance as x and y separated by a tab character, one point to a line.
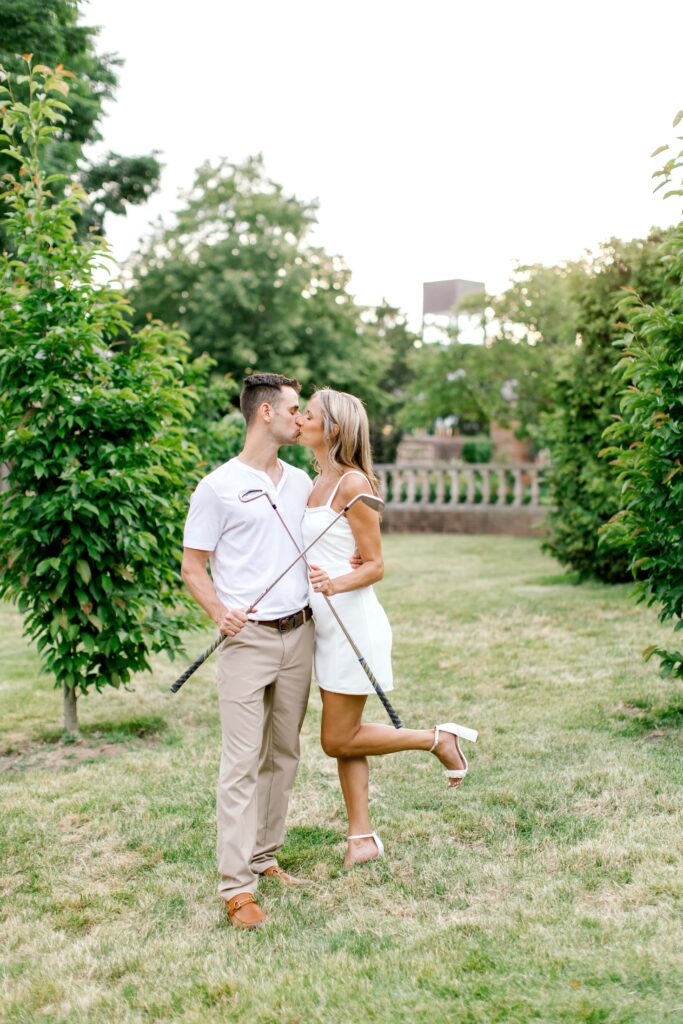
508	377
51	30
502	379
92	433
217	428
237	272
400	346
584	396
647	438
544	301
113	184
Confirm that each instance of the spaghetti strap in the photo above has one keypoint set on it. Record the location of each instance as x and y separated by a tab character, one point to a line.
348	473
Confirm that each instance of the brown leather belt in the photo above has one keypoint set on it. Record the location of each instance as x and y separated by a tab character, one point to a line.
287	622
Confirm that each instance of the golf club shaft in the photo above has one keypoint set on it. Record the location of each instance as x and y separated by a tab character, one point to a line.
191	669
395	720
302	554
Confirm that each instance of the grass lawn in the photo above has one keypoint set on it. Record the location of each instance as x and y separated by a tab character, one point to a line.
547	889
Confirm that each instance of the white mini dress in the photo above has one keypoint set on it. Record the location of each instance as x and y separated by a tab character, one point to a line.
336	666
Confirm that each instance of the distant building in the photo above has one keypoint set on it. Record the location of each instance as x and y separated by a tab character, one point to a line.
440	301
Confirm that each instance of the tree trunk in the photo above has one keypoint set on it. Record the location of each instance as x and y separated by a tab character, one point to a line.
71	711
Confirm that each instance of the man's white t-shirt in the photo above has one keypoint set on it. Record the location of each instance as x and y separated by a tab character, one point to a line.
249	545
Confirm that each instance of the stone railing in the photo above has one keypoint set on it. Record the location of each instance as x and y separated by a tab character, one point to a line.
463	497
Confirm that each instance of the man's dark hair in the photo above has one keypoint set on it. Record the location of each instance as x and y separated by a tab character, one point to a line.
263	387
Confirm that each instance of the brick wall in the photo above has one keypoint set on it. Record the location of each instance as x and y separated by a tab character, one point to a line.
514	522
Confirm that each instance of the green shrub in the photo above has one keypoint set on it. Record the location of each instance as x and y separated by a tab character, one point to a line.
217	427
650	524
585	394
477	450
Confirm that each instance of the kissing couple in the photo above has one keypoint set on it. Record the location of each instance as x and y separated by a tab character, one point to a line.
265	662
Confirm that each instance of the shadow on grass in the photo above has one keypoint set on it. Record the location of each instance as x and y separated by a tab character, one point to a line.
575	579
303	845
562	579
640	717
139	728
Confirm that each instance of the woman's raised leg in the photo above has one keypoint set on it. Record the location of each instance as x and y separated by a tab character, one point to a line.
343	734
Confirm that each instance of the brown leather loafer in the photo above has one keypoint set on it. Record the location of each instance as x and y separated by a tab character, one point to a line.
276	872
244	911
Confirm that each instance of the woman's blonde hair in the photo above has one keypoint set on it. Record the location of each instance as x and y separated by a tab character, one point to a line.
347	431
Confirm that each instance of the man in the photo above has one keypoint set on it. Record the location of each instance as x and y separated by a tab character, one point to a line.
264	666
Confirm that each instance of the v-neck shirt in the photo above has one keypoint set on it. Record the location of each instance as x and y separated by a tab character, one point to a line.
249	546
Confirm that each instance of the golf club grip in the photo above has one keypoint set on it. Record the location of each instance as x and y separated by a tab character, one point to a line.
181	680
395	720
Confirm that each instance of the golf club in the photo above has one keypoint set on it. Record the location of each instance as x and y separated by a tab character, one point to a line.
251	495
375	503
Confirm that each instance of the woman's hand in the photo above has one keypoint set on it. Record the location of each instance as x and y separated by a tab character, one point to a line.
356	559
320	581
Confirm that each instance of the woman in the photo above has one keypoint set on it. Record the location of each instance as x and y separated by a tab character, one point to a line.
336	428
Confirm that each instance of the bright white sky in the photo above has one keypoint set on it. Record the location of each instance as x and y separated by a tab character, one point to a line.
442	139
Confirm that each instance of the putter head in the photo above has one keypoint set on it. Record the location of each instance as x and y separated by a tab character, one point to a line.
371	500
252	493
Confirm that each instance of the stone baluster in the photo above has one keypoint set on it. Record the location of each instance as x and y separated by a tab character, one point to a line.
470	485
535	496
519	488
410	481
502	485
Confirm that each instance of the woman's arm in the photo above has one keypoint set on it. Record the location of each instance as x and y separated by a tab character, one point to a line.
364	523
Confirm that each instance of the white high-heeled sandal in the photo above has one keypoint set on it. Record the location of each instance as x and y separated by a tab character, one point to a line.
460	732
378	842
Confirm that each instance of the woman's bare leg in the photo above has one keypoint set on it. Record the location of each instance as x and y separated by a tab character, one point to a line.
345	735
353	778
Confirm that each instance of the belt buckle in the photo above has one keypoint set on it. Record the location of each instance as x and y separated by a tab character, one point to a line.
286	624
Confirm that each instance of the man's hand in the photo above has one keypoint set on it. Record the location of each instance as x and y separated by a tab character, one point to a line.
232	622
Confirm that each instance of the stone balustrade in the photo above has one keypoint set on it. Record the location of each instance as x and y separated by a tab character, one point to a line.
464	497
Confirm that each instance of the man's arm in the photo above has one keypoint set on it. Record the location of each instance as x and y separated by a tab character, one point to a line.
197	580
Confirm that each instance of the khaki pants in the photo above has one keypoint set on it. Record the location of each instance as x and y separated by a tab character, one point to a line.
264	678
